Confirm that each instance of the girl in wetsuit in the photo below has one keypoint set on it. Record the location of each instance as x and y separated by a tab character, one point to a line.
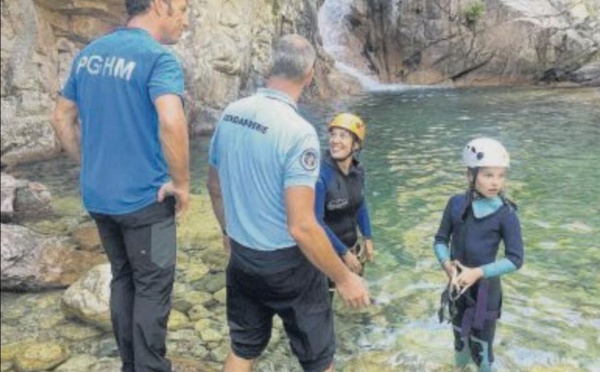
466	245
340	201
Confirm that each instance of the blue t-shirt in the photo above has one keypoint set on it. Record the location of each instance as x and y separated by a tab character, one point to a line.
114	81
262	146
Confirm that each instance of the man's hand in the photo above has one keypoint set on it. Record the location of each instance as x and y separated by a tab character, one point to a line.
182	196
226	245
369	249
353	291
352	262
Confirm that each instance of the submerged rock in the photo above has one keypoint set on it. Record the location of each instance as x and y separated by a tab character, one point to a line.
77	363
41	356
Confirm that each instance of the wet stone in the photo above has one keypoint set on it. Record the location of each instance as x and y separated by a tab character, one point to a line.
211	282
107	364
219	353
185	301
177	320
195	271
15	312
217	259
77	363
221	296
107	347
78	332
48	301
199	312
41	356
207	332
10	350
182	334
183	364
11	334
52	321
184	343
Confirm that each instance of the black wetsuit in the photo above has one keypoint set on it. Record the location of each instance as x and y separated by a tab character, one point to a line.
340	204
474	241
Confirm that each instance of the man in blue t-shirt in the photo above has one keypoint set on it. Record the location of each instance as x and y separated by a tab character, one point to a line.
132	142
264	163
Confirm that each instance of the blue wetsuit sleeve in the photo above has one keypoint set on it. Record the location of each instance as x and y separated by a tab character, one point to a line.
442	253
364	222
442	237
320	193
500	267
510	229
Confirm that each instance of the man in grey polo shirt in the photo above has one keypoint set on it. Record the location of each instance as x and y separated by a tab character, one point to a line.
264	163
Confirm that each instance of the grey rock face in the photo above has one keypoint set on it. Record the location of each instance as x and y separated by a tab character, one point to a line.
31	261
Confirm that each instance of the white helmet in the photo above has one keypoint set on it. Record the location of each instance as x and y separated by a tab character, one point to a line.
485	152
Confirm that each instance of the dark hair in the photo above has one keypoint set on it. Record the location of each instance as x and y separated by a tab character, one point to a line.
135	7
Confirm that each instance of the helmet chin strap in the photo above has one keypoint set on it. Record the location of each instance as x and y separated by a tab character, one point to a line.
471	193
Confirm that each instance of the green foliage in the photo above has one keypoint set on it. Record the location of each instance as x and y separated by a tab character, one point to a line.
473	13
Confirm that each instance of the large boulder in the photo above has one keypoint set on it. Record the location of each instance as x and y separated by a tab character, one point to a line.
31	261
588	74
22	199
88	299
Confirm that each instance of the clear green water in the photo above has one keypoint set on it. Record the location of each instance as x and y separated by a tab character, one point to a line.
551	314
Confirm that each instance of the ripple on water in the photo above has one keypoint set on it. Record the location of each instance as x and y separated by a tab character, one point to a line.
526	357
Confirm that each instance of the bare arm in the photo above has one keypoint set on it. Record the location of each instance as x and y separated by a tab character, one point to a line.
216	199
66	126
175	144
313	241
214	190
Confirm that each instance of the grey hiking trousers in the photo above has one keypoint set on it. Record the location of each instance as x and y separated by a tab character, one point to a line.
141	247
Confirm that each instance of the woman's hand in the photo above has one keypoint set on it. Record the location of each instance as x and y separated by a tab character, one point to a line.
352	262
468	276
369	249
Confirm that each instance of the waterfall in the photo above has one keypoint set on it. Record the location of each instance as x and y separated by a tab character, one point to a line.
345	48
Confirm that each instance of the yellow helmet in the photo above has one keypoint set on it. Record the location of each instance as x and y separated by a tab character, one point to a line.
351	123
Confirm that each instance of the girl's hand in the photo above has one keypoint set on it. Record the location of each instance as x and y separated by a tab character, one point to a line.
352	262
450	269
468	276
369	249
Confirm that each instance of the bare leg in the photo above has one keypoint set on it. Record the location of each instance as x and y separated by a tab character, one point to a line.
234	363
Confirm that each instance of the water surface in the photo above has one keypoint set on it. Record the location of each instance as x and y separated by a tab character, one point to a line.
551	313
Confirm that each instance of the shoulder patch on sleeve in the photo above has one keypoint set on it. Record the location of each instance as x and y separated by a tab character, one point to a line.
309	159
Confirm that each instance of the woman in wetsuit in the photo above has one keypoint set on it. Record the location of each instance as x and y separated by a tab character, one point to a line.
466	245
340	201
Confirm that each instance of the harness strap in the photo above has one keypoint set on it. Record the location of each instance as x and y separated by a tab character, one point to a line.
476	313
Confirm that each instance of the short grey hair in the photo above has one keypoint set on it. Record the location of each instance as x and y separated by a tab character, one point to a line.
293	57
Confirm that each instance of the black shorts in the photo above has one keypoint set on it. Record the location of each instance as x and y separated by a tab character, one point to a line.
261	284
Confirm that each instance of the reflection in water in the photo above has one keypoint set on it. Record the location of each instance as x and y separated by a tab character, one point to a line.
551	316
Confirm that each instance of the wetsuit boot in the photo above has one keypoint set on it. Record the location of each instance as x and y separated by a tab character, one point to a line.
462	354
480	354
